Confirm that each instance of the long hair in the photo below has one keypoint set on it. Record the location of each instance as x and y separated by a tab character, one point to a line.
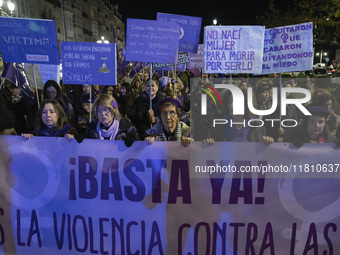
304	125
62	119
59	96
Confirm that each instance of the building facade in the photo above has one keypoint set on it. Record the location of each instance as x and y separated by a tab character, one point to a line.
76	20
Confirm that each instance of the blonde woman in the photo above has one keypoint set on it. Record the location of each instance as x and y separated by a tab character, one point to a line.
108	124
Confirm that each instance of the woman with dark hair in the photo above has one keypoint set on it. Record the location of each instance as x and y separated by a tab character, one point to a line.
125	99
52	121
328	102
52	90
313	129
109	90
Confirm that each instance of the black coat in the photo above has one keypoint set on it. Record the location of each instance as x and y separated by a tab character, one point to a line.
138	112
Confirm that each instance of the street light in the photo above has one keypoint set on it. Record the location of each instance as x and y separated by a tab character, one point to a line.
215	22
11	7
322	54
102	40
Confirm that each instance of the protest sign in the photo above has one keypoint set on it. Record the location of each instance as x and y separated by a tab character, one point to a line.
182	59
190	28
233	49
288	49
28	41
89	63
152	41
196	59
43	73
60	197
179	68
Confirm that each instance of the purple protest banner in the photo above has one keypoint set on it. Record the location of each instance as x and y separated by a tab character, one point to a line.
196	59
152	41
89	63
29	41
190	28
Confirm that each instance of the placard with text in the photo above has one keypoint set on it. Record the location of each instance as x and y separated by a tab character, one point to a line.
29	41
233	49
89	63
152	41
288	49
190	28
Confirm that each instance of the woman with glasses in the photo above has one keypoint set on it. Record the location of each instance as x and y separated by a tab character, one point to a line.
108	124
170	128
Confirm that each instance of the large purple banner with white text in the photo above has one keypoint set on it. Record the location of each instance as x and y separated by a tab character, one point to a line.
100	197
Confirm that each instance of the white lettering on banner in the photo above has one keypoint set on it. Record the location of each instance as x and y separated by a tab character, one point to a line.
26	40
166	202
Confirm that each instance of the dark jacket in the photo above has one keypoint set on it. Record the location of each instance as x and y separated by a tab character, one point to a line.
138	112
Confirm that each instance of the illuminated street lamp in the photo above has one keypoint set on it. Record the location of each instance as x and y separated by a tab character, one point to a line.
102	40
215	22
11	7
322	54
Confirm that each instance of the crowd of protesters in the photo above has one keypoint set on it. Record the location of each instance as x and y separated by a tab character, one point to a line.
159	109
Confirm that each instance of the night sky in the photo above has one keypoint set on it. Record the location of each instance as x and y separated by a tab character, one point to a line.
241	12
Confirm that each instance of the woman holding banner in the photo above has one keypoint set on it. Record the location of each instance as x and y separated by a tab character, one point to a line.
52	121
170	128
109	124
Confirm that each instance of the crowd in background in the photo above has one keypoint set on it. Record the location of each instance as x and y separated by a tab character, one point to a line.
158	108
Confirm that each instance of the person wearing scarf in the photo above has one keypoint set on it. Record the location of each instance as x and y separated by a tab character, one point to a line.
52	121
170	128
108	124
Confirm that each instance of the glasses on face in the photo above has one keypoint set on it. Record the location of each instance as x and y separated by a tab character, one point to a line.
171	113
104	110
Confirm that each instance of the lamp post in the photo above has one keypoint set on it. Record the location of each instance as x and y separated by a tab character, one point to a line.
10	7
215	22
